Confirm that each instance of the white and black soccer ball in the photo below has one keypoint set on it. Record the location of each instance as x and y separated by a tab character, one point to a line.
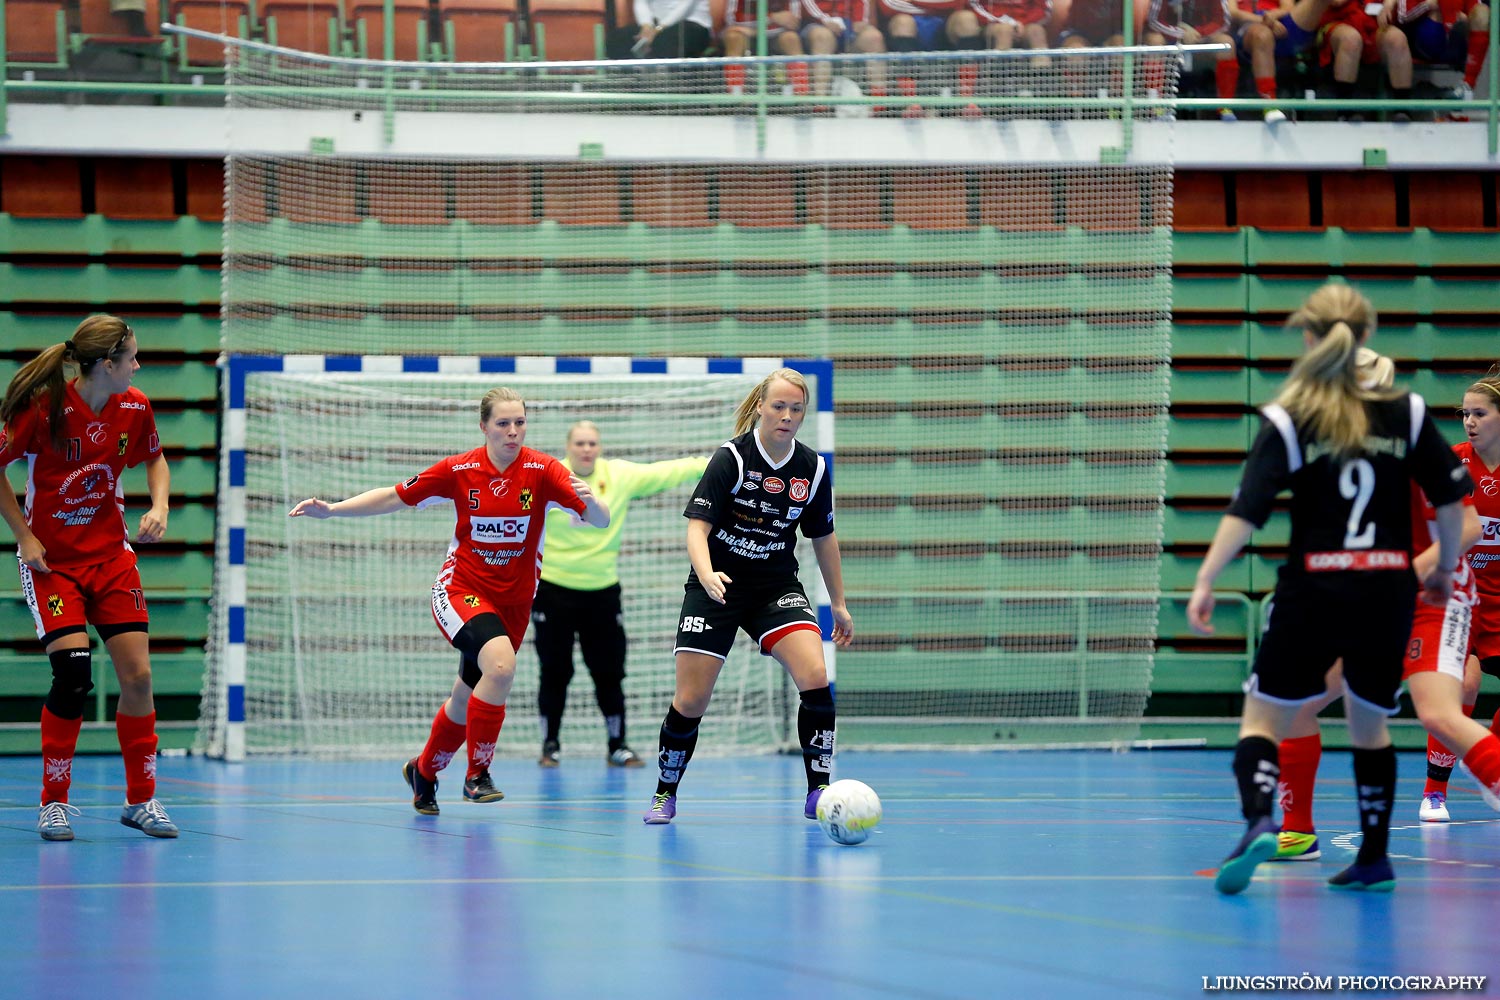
848	811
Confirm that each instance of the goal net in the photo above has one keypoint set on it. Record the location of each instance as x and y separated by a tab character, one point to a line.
340	653
992	285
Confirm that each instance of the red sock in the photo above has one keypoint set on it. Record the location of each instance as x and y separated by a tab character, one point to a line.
1265	86
1495	725
907	86
1479	43
968	79
485	721
1155	75
1227	76
59	741
1483	762
137	735
734	76
797	73
442	743
1299	769
1440	757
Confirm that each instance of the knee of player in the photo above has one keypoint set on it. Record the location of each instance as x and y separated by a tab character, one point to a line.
72	680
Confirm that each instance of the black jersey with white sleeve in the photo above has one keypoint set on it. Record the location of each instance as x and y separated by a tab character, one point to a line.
755	507
1353	514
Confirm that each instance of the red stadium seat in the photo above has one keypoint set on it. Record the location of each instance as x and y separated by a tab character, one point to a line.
494	195
845	198
670	196
46	187
931	199
1359	199
305	25
1018	200
134	189
1451	201
581	196
222	17
95	19
334	200
476	29
205	189
31	31
1112	201
563	30
758	197
1272	199
247	197
395	200
409	18
1198	201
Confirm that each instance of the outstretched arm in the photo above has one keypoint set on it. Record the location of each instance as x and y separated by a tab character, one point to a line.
382	500
1231	537
831	565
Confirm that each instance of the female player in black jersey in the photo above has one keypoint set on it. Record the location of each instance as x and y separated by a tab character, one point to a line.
743	518
1348	454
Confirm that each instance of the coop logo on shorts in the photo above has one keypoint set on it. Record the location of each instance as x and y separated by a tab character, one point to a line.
791	601
799	488
499	530
774	485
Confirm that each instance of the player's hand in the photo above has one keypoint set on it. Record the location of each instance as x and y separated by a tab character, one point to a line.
714	585
1190	36
843	626
834	24
1200	610
1437	587
153	525
1278	29
581	488
34	554
312	507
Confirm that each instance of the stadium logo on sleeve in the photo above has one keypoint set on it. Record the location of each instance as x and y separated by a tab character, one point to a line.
774	485
799	488
411	482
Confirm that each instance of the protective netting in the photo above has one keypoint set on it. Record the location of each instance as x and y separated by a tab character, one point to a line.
1000	328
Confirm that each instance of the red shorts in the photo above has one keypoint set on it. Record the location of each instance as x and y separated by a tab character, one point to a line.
1439	640
1484	639
72	597
454	606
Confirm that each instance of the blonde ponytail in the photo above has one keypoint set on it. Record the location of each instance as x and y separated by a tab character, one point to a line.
1324	390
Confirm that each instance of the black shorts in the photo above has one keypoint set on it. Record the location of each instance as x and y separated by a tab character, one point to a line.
766	613
1365	618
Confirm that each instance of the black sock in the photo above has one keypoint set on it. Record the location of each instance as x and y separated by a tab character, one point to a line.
1257	769
815	731
1375	781
614	725
551	727
1343	91
679	735
1438	772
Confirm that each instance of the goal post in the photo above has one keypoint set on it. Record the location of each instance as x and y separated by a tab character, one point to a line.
323	642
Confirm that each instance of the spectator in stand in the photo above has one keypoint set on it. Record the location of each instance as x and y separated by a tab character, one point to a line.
999	22
1197	21
1449	32
1351	37
663	29
1091	23
830	26
1267	30
782	39
925	26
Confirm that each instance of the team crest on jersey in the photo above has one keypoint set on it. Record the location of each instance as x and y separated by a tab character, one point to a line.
499	487
798	490
95	431
471	600
55	605
124	443
526	499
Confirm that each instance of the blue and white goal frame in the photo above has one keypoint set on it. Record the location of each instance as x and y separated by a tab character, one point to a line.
231	590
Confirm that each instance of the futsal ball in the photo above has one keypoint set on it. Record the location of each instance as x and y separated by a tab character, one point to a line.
848	810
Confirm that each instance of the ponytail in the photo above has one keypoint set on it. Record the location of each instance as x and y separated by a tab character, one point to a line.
1324	390
95	339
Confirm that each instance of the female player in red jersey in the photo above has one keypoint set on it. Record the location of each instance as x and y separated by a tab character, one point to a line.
1347	589
77	567
758	489
481	599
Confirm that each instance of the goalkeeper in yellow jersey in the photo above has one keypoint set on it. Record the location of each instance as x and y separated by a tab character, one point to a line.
579	593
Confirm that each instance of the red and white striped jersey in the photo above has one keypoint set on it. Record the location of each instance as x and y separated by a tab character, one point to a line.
742	13
75	503
1424	536
1447	11
497	541
1207	17
1485	555
922	8
1020	11
851	11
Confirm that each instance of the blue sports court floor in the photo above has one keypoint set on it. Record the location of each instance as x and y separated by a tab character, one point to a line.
1064	874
